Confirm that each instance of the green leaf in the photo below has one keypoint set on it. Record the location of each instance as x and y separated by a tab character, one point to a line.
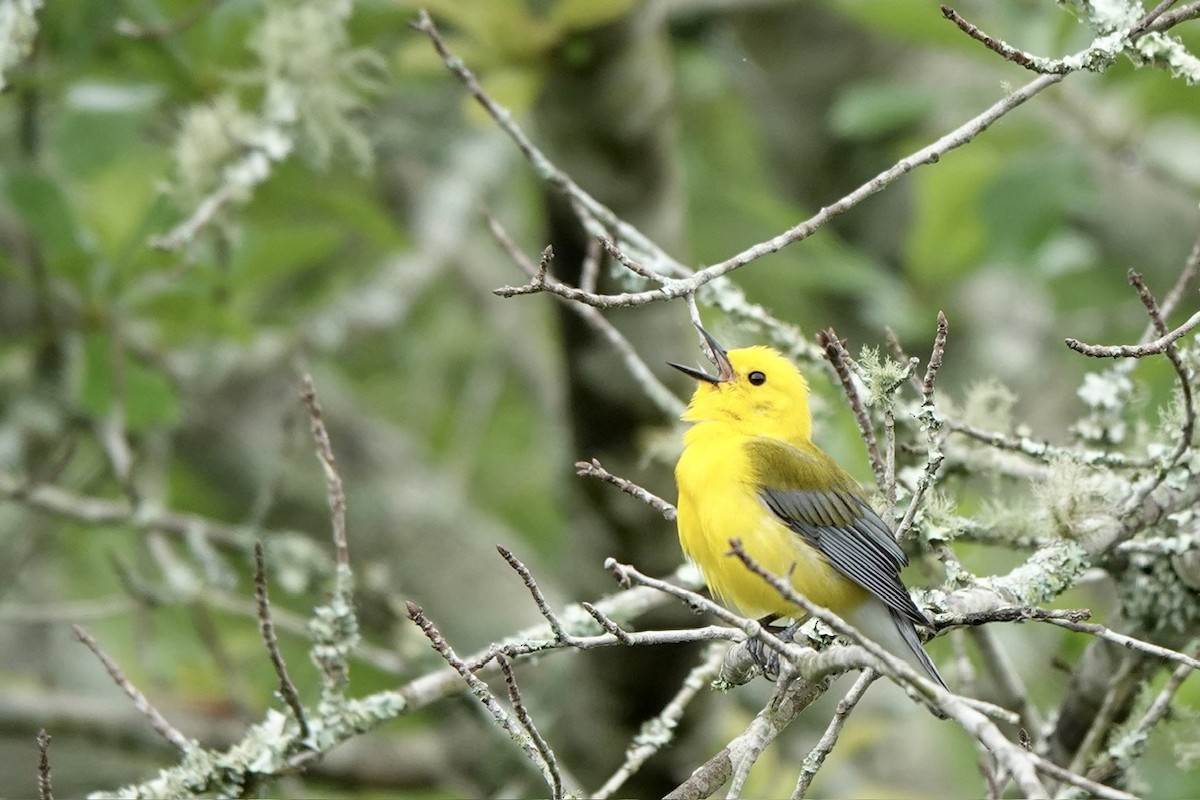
110	376
948	233
44	207
869	110
577	15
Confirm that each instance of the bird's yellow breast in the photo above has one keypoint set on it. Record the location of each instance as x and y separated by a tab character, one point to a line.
719	501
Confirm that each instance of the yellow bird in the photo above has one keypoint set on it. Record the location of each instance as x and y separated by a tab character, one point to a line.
750	471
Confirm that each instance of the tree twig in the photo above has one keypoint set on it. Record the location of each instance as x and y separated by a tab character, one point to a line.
333	480
593	469
680	287
45	790
1030	62
835	351
816	756
157	720
266	627
484	695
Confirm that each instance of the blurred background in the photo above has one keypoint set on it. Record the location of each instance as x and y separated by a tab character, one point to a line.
351	175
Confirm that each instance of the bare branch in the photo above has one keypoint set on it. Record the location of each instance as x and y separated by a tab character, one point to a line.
932	422
537	282
662	397
789	699
1155	347
157	720
266	627
616	630
1128	642
1150	17
200	219
592	469
101	511
1008	52
1134	739
680	287
45	790
1173	18
816	756
484	695
518	704
835	351
556	625
637	269
1043	451
333	480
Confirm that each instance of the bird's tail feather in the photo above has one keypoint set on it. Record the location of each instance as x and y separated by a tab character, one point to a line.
908	632
894	633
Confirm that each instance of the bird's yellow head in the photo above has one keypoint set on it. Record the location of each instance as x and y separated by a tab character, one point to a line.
756	390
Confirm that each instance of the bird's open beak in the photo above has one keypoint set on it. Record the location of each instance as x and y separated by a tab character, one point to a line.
720	360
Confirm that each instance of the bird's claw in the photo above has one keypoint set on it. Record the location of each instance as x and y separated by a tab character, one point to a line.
767	658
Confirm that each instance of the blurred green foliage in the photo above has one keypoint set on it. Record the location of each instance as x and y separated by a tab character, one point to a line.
446	404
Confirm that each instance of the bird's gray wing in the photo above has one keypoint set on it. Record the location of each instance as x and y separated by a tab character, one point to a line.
808	492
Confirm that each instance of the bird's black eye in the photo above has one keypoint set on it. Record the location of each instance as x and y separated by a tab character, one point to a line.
757	378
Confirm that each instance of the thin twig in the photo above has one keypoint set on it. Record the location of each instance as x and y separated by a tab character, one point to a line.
157	720
816	756
835	351
1007	679
1155	347
607	623
1008	52
1182	283
627	576
932	422
1185	380
789	699
102	511
629	264
1043	451
1122	683
1173	18
481	691
662	397
537	280
589	271
1094	789
1135	737
518	704
333	480
1128	642
266	627
45	790
681	287
1147	20
556	625
592	469
935	357
204	214
1009	614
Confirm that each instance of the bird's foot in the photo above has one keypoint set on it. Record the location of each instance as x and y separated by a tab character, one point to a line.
767	658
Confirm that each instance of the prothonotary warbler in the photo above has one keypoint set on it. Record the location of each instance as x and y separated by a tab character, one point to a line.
750	471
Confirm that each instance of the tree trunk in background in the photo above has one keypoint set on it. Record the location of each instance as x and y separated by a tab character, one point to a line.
606	118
